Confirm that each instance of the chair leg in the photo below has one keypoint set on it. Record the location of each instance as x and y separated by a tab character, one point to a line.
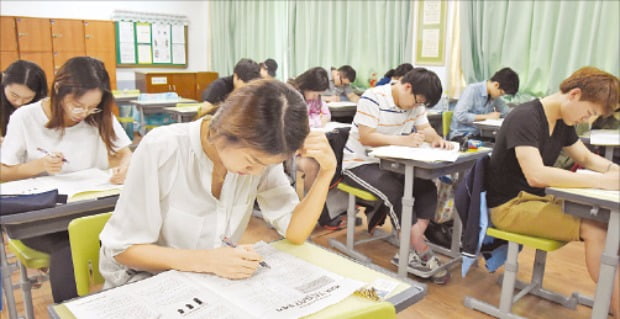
510	276
349	247
26	285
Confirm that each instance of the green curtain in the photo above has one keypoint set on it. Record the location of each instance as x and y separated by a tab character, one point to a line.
543	41
247	29
371	36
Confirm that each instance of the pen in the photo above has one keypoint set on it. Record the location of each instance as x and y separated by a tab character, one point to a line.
227	241
48	153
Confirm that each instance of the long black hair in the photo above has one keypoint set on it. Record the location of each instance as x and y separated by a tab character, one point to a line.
24	73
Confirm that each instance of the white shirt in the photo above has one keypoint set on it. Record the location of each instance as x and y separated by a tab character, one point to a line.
167	200
80	144
376	109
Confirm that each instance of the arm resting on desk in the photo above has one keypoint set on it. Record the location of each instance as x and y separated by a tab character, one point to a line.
584	157
539	175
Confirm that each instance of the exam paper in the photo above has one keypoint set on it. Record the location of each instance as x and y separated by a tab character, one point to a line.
423	153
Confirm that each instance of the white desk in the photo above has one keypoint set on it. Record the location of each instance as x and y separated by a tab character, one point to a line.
610	139
489	128
602	206
427	170
151	107
183	113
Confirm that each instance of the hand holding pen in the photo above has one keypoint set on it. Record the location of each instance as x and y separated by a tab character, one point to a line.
52	162
229	243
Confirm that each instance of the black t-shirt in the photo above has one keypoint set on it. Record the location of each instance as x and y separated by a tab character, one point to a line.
218	91
525	125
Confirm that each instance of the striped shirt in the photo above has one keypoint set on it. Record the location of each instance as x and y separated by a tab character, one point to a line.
376	109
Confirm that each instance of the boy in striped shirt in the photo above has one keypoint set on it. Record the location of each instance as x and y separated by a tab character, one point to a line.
396	115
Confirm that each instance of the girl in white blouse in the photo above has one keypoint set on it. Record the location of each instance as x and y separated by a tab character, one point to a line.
76	126
192	185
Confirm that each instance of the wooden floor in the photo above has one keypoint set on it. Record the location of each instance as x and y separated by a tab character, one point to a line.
565	273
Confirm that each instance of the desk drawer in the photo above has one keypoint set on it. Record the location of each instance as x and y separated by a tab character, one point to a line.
392	166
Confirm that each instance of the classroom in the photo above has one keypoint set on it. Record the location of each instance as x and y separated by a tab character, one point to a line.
310	159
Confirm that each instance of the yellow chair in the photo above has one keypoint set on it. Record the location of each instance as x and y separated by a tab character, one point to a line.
28	258
84	240
446	119
510	282
370	201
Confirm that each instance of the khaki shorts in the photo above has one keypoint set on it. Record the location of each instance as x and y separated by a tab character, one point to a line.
538	216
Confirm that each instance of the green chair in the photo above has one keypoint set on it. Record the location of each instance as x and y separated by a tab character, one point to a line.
28	258
84	240
370	201
446	119
383	310
510	282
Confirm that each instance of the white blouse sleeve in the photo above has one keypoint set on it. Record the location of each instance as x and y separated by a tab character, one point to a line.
14	145
122	140
277	198
137	218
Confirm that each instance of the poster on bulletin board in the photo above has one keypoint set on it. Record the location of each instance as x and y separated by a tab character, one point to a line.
431	32
151	44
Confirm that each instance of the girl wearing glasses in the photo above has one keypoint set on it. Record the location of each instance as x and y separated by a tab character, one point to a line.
72	130
22	82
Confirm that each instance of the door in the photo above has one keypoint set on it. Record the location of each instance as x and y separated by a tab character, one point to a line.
68	36
44	60
34	35
6	58
8	34
158	82
99	36
184	84
109	61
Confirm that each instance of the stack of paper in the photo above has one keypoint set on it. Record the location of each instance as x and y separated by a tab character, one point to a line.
423	153
72	184
341	104
491	122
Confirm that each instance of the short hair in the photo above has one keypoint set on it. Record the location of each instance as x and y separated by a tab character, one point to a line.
508	80
348	72
247	70
402	69
266	115
271	66
77	76
24	73
596	86
314	79
389	73
424	82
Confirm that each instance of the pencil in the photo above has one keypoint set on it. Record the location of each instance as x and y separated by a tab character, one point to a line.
48	153
230	244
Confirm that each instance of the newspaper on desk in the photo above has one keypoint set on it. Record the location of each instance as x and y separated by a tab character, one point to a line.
71	184
423	153
291	288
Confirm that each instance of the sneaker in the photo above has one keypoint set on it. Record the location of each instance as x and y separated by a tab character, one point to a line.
423	269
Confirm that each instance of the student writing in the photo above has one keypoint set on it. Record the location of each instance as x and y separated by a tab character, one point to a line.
191	184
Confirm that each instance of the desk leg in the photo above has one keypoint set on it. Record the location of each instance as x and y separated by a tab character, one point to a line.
7	285
609	263
609	152
142	122
405	226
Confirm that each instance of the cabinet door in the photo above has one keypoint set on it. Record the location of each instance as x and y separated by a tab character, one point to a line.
34	35
158	82
61	57
68	36
44	60
8	34
203	79
99	36
184	84
6	58
109	60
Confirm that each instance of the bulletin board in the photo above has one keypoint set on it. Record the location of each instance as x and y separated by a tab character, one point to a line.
431	32
151	44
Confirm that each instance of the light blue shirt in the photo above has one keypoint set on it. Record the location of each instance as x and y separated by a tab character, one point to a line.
475	100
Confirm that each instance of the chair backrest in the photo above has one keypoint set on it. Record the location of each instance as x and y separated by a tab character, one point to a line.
446	119
84	240
337	140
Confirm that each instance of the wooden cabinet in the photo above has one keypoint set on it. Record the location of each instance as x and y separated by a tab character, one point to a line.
51	42
34	34
185	84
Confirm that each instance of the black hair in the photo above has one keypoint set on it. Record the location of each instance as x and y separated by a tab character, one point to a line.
314	79
266	115
348	72
247	70
271	66
389	73
24	73
508	80
424	82
402	69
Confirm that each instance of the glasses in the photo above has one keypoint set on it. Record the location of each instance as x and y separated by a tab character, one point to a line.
81	110
415	100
